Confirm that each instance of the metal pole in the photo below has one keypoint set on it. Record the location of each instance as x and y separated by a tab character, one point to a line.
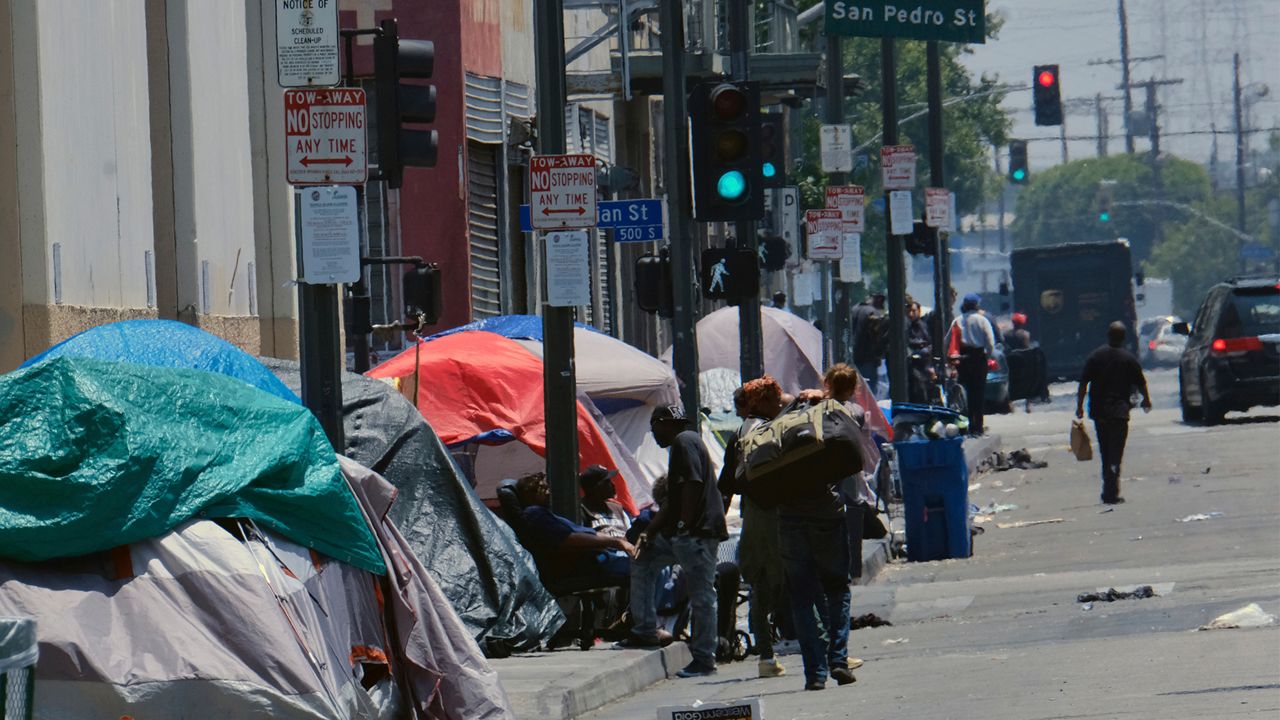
560	403
1237	93
1124	65
1062	134
751	335
834	116
679	206
895	266
1000	205
938	179
1102	126
319	348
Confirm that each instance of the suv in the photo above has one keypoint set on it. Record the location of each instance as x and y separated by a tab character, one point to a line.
1232	359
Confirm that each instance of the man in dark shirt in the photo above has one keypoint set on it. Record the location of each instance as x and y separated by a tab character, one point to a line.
868	322
693	519
1109	377
561	547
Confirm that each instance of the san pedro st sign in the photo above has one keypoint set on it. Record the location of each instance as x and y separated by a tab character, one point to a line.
950	20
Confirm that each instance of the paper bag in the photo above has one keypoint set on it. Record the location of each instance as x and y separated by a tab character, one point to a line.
1080	445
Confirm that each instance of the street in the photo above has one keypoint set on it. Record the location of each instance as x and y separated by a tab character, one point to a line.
1001	635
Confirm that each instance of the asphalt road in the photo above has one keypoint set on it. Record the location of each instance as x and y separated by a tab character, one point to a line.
1001	635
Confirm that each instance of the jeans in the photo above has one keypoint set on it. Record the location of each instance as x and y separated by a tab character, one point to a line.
1112	435
973	376
816	555
646	570
697	557
870	372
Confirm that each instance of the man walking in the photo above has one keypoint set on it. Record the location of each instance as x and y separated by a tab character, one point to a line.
977	343
1109	377
693	519
868	323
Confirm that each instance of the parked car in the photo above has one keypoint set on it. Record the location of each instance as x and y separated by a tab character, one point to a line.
1232	357
1158	344
996	395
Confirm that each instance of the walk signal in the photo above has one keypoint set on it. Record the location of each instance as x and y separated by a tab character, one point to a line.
774	252
773	156
1018	170
731	274
399	104
725	146
655	290
1048	95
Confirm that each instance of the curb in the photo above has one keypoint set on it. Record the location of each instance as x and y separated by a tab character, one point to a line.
591	682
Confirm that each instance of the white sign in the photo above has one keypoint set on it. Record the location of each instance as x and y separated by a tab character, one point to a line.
951	219
825	230
568	269
307	42
851	261
562	191
324	134
937	207
801	289
789	215
836	144
732	710
330	235
898	167
901	218
851	201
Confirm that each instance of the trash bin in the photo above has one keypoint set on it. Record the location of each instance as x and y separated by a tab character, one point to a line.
18	654
935	496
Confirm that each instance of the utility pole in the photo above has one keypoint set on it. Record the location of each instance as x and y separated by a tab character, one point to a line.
1102	126
684	352
1000	206
937	178
751	335
834	116
1062	135
1237	93
893	243
560	401
1124	61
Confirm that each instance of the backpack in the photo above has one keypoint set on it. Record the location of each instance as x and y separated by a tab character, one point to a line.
799	453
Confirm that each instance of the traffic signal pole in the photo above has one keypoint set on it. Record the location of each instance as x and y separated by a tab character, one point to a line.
679	206
895	266
559	385
834	116
751	335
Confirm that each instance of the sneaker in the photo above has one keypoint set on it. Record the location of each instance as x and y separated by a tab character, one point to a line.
770	668
1117	501
695	669
843	676
854	663
644	641
815	685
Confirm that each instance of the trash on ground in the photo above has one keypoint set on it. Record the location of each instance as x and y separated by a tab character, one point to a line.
1250	615
992	508
1200	516
1028	523
895	641
1135	539
1087	606
1175	479
1205	471
1111	595
975	487
1009	489
980	519
869	620
997	483
1104	511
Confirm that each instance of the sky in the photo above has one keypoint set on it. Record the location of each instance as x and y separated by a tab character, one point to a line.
1197	39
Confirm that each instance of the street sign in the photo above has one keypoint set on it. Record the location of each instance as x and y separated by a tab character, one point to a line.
937	207
851	260
851	201
568	269
638	220
901	217
324	133
307	42
950	20
1256	251
735	710
562	191
329	235
788	215
898	167
825	229
836	145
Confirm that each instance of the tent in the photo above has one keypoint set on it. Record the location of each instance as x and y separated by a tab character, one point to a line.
184	540
486	574
483	392
792	346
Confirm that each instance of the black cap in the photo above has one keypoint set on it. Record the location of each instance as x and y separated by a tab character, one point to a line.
594	475
668	413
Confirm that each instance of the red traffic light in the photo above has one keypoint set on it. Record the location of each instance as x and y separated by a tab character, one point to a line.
728	102
1047	78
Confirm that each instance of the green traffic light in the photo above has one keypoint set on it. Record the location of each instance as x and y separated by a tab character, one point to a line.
731	185
768	170
1104	217
1019	175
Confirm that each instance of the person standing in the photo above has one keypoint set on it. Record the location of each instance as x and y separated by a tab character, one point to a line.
1110	374
868	323
920	347
693	519
977	340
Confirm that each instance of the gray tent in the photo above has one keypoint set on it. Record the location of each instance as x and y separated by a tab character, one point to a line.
487	575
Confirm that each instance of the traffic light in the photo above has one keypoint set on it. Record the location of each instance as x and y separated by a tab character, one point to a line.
655	291
399	103
731	274
1048	95
725	140
773	151
1104	206
422	293
922	240
1018	170
774	252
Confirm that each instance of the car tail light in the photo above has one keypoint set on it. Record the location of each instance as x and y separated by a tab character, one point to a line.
992	364
1152	344
1233	346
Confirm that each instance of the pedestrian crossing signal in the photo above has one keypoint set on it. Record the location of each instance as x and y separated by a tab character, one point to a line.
731	274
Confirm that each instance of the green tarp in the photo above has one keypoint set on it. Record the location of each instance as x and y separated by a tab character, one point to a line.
96	454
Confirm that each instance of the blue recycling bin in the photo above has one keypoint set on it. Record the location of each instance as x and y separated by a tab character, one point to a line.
935	495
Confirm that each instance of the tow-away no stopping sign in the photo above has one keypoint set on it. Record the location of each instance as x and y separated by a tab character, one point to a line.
324	133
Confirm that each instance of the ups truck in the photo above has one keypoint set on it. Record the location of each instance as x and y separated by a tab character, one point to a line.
1070	293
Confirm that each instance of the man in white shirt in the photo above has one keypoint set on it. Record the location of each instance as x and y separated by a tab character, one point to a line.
977	344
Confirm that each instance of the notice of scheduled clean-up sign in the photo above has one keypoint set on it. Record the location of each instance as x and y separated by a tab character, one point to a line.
950	20
562	191
307	42
324	132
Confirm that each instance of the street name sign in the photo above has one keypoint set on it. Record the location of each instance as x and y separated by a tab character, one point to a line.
962	21
638	220
307	42
836	148
851	201
937	207
330	235
324	133
898	167
568	269
825	230
562	191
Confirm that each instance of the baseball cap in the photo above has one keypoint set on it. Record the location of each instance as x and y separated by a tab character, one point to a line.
974	298
594	475
673	413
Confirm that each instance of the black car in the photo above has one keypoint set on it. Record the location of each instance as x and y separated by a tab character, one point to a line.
1232	360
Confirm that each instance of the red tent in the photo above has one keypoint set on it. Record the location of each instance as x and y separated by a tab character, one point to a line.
478	387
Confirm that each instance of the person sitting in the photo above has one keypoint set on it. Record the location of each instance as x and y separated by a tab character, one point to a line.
1017	337
563	548
599	510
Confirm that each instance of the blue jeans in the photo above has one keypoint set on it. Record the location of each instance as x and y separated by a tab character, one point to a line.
646	571
870	372
697	557
816	555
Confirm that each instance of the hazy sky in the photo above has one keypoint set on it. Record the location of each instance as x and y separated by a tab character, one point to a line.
1197	39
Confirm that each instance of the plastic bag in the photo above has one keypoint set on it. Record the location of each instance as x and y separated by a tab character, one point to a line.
1080	445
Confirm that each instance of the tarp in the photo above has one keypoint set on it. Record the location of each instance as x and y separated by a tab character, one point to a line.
478	387
487	576
792	346
96	454
166	343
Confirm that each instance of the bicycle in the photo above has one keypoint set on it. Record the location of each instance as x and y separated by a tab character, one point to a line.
942	384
